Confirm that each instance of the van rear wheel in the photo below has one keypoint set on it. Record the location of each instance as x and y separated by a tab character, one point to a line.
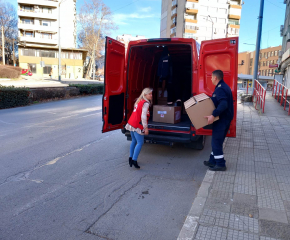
197	145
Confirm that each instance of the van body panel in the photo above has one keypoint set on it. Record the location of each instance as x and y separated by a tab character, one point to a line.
219	54
114	98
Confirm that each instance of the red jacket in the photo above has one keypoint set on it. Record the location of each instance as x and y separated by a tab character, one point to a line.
135	119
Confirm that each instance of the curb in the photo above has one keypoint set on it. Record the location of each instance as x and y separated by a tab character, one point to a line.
190	225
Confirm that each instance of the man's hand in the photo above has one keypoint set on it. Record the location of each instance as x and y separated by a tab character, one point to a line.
146	131
210	119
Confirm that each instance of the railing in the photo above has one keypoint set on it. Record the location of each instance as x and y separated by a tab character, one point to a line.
280	92
260	95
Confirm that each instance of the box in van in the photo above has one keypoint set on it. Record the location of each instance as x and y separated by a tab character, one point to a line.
127	73
166	114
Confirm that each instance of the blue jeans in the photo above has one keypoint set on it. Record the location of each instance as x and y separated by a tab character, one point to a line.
136	145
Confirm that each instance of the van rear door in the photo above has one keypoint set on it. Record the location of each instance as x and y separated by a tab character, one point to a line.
219	54
114	86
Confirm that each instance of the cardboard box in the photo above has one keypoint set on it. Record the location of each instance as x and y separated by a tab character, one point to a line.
166	114
197	108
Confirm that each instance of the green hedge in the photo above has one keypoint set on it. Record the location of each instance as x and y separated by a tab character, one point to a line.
89	88
13	97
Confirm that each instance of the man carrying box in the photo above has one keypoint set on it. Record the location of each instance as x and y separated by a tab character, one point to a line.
223	100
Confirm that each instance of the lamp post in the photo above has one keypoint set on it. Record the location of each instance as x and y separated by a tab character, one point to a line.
59	47
212	27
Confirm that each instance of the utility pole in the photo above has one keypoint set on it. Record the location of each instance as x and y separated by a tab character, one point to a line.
13	55
258	43
94	63
3	49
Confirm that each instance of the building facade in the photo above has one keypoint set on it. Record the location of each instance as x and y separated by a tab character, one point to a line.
200	19
284	58
38	30
268	61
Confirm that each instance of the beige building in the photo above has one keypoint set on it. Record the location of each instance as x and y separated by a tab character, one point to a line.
267	60
38	26
200	19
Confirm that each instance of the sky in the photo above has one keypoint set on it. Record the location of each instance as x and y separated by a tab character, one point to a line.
142	17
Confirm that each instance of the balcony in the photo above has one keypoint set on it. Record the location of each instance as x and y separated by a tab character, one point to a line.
39	40
232	6
188	20
191	8
190	31
235	13
35	14
193	1
34	27
48	3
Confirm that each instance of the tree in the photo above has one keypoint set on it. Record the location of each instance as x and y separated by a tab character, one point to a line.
8	19
95	22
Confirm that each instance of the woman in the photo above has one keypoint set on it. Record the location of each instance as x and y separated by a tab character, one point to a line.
140	115
50	74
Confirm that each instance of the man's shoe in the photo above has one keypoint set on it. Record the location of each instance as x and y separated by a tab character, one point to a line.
178	104
208	164
217	168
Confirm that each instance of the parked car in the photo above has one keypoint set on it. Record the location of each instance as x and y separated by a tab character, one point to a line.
26	72
126	75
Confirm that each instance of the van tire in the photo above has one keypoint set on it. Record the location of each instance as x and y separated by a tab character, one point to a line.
197	145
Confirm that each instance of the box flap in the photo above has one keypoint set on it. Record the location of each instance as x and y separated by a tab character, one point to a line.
201	97
189	103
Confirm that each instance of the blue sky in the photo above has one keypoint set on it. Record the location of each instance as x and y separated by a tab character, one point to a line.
142	17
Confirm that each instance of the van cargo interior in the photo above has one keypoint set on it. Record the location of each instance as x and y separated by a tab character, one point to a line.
142	72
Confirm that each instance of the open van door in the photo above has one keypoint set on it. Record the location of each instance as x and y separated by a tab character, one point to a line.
114	86
219	54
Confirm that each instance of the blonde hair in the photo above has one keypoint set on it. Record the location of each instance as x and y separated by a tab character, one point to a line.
142	96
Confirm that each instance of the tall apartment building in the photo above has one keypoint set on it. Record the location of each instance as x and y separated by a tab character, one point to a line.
39	33
267	60
200	19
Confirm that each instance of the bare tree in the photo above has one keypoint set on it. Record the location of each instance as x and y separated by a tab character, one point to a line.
95	20
8	19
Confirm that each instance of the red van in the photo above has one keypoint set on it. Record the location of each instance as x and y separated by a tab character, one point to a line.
128	73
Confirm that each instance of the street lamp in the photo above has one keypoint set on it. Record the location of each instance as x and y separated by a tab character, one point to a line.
212	27
59	47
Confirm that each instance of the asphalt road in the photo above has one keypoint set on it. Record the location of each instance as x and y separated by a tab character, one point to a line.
61	178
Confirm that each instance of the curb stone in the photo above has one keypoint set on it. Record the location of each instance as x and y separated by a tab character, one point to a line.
190	225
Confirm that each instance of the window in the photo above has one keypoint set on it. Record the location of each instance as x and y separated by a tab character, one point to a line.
45	23
251	62
189	35
173	30
46	10
46	35
32	67
269	54
28	34
174	2
260	55
48	54
27	9
262	73
173	11
265	55
191	27
263	63
234	22
276	53
272	54
250	71
266	72
47	69
27	21
28	52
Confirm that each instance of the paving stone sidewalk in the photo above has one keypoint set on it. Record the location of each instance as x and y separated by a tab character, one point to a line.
251	200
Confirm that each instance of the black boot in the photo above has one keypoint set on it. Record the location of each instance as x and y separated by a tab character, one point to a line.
135	164
130	161
208	164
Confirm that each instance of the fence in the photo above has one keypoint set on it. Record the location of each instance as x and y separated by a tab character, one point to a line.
259	95
280	92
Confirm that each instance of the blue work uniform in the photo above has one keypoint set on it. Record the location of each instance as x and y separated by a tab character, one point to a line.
223	100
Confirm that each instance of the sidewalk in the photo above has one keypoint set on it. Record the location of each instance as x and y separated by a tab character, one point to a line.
45	83
251	200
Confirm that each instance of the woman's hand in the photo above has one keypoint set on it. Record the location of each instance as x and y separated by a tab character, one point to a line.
146	131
